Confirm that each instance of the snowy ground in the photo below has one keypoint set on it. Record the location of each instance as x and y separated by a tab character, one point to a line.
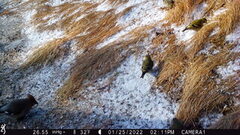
120	99
126	102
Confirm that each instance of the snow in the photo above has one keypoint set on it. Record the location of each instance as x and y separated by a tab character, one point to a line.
209	120
104	6
34	38
230	69
215	31
44	83
182	36
131	98
128	4
219	12
234	36
121	96
143	14
199	11
54	3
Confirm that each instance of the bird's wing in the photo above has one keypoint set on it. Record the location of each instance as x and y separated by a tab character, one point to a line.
21	114
3	108
195	25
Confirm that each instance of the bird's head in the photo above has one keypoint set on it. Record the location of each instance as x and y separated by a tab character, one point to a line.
204	20
32	99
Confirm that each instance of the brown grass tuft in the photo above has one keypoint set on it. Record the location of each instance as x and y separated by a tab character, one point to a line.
230	121
90	66
97	25
181	10
200	92
46	54
200	39
7	12
227	22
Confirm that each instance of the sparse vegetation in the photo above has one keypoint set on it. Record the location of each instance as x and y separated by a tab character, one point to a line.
199	91
230	121
187	75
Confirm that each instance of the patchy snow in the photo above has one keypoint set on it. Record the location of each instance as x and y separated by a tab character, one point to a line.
44	83
199	11
182	36
208	50
215	31
121	97
128	4
208	120
54	3
80	17
219	12
232	68
130	98
34	38
104	6
143	14
234	36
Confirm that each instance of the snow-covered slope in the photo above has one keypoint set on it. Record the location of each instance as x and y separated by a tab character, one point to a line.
118	99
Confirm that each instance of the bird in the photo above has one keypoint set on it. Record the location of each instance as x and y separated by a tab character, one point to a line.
147	65
176	124
196	24
18	108
170	3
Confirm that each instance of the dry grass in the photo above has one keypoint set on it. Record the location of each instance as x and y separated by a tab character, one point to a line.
214	5
230	121
173	62
93	28
92	65
185	69
98	26
227	22
7	12
200	39
199	92
46	54
181	10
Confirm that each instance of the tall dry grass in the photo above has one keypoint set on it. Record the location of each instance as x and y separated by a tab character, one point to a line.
226	22
193	74
230	121
199	94
182	8
94	64
98	26
91	29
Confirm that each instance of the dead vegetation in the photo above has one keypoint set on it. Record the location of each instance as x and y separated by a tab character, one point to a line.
87	28
181	10
97	25
184	68
230	121
199	93
92	65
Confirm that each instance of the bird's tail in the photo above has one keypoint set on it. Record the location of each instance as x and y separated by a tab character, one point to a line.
3	108
185	29
143	73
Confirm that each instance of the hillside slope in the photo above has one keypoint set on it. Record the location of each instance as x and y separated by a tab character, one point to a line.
82	61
